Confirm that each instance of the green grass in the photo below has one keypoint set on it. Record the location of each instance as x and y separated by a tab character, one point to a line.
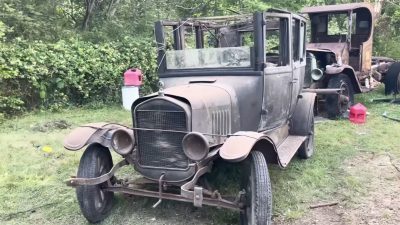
32	188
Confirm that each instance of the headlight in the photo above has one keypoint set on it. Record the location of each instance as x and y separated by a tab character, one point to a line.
317	74
195	146
122	142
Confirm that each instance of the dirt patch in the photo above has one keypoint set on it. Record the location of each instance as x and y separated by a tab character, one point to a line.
376	203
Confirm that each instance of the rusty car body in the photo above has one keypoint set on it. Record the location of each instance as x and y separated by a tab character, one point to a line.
232	90
340	54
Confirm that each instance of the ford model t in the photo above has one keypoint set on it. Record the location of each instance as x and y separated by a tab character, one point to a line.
231	91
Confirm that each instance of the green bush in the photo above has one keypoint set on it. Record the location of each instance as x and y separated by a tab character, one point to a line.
42	75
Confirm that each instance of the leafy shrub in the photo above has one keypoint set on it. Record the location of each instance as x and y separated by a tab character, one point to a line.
42	75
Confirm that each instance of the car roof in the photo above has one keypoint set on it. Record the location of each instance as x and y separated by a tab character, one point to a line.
337	8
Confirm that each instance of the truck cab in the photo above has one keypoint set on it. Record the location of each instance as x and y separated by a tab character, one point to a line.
340	46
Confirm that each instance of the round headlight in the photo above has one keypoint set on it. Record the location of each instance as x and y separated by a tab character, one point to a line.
195	146
122	142
317	74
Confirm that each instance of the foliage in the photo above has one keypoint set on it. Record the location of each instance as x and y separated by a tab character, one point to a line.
387	31
59	53
41	75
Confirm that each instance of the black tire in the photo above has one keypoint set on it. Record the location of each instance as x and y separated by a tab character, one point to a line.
258	200
392	79
95	204
337	105
306	150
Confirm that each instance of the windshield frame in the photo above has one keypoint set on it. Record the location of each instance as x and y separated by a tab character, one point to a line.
254	67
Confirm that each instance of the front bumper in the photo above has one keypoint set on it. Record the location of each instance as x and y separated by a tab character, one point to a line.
189	191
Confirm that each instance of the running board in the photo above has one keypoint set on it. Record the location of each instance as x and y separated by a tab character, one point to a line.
288	148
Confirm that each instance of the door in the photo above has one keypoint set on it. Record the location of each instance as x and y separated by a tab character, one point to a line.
277	72
299	60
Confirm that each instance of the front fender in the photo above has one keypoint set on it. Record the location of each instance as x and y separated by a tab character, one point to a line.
100	133
239	145
349	71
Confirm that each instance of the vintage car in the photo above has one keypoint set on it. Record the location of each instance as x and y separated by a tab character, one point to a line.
340	56
231	91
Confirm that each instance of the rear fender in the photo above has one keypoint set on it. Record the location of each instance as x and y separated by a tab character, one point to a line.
349	71
239	145
100	133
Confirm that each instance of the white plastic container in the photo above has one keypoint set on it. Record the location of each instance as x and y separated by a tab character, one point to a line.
129	95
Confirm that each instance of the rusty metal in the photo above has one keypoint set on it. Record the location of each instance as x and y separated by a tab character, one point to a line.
176	197
186	189
324	91
160	190
336	8
288	149
101	133
74	181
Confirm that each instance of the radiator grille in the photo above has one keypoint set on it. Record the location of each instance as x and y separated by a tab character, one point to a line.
161	149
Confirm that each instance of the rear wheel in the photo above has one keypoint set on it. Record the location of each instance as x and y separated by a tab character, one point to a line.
258	197
337	105
95	203
306	150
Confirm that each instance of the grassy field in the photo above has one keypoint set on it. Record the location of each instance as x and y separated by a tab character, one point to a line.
32	188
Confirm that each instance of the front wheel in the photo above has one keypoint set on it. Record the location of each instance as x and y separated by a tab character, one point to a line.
337	105
95	203
257	186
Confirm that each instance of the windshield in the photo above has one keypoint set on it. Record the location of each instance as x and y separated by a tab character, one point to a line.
196	44
209	58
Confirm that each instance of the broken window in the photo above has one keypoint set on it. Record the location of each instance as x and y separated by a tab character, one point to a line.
277	42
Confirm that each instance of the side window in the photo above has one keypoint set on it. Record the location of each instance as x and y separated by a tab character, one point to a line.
277	42
296	39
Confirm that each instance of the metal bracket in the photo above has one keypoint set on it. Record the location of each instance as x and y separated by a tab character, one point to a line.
198	196
197	193
78	181
160	189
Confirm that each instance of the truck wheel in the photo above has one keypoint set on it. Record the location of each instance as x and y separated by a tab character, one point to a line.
258	197
95	203
337	105
392	79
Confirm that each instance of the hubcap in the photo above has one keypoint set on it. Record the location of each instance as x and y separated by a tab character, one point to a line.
343	98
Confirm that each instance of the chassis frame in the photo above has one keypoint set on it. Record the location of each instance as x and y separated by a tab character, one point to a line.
189	192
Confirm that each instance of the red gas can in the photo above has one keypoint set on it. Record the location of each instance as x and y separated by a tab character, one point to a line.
358	113
133	77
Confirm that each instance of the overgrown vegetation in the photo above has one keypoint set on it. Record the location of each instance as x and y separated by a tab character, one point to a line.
32	188
71	52
54	75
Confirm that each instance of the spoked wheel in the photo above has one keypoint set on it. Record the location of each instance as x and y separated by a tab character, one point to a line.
306	150
257	186
95	203
337	105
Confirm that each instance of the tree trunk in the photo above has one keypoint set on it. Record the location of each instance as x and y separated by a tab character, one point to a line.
89	5
112	8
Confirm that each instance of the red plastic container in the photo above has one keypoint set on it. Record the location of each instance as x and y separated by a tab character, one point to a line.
358	113
133	77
